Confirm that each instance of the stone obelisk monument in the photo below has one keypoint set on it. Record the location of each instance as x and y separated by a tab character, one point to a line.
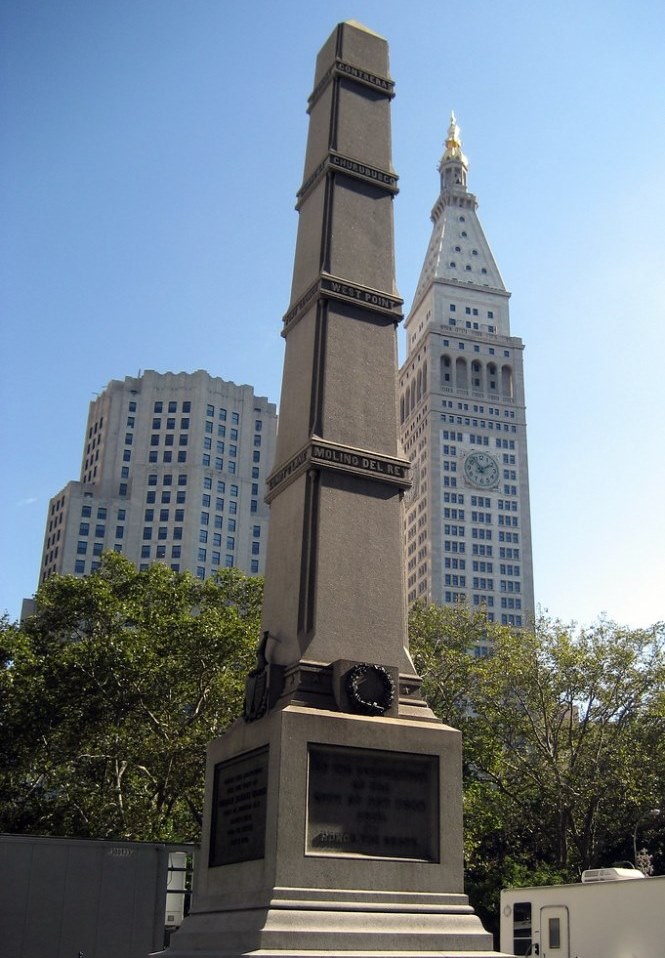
333	810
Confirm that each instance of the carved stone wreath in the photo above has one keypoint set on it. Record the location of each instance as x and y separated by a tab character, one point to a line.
370	688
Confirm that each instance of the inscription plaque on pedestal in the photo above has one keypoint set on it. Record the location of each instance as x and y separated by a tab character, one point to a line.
372	803
238	826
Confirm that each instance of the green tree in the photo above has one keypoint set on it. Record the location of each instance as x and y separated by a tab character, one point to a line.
558	727
563	742
111	692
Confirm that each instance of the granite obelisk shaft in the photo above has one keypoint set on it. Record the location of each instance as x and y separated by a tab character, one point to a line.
334	576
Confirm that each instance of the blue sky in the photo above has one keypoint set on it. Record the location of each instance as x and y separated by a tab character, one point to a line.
150	158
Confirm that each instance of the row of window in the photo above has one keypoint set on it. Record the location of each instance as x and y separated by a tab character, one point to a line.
480	424
470	310
480	548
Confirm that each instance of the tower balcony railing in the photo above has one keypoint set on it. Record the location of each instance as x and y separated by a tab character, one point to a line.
479	394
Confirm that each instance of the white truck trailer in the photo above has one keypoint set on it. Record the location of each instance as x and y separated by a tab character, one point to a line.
608	915
63	898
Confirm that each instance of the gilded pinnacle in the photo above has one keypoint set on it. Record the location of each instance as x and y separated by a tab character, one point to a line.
453	149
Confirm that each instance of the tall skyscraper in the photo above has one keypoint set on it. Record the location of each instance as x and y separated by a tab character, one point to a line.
462	411
174	468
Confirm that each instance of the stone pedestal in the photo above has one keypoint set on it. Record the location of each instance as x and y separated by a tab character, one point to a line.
332	834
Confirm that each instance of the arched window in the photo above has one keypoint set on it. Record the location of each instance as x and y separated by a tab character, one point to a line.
445	371
492	383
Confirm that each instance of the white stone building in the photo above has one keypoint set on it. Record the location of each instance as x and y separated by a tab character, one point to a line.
462	410
173	470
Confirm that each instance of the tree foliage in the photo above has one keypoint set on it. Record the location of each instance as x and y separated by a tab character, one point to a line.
563	732
111	692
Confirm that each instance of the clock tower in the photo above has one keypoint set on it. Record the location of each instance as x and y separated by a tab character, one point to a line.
467	526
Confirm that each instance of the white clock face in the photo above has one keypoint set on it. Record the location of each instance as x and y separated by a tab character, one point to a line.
481	470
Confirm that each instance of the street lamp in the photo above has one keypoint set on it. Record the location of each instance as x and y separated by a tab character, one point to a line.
651	813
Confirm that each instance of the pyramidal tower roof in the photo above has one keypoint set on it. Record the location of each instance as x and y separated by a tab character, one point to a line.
458	252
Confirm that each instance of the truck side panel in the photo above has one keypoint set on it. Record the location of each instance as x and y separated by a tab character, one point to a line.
614	919
59	897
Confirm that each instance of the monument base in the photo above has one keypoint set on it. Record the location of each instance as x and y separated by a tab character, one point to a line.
367	858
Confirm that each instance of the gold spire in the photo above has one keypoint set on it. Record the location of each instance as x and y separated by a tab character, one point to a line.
453	149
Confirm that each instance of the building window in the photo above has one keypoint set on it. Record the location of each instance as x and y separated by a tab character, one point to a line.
119	532
82	547
202	555
145	552
187	406
230	542
147	532
182	455
84	529
79	566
